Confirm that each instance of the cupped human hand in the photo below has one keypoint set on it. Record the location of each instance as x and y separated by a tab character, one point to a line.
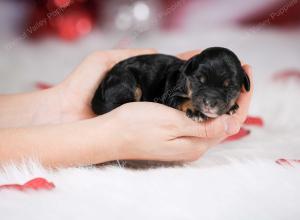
153	131
146	130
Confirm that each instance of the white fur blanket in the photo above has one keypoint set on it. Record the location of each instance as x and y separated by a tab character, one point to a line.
236	180
238	190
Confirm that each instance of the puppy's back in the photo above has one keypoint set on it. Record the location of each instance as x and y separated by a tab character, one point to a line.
139	78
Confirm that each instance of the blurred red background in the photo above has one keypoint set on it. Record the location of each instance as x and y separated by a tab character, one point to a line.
43	40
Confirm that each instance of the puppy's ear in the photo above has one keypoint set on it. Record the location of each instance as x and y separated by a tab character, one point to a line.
189	67
246	81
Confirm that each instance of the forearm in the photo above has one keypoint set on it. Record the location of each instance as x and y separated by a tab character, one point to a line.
35	108
64	145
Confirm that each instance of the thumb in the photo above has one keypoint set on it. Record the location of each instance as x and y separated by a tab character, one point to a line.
224	125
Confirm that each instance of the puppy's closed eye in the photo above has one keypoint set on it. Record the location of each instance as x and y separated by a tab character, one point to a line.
226	83
202	79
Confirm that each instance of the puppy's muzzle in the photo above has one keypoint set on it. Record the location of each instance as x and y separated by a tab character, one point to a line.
211	104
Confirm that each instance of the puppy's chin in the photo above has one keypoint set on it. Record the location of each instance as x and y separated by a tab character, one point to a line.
210	112
210	115
214	112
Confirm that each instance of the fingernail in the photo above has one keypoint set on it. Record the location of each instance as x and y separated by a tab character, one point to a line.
250	68
231	126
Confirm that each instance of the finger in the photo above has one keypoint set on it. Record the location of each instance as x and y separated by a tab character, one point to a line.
112	57
94	67
188	54
194	147
245	98
102	61
213	128
186	149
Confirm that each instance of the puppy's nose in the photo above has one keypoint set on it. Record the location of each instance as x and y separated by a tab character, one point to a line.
213	103
205	101
210	102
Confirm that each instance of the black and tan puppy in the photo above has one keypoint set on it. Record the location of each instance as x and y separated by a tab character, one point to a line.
205	86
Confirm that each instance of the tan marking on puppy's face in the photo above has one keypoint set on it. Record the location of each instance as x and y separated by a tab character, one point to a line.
185	106
189	90
137	94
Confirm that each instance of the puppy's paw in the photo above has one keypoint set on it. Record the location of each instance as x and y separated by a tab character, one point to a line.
196	115
233	109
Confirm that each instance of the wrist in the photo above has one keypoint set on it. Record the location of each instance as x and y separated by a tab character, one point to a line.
47	108
108	140
26	109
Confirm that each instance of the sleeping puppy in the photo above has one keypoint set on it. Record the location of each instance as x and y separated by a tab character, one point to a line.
205	86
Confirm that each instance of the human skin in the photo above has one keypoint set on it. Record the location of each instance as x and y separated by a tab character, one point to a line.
57	127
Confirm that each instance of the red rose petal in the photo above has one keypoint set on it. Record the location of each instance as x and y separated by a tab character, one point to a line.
41	85
287	74
12	186
288	162
35	184
254	121
39	183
